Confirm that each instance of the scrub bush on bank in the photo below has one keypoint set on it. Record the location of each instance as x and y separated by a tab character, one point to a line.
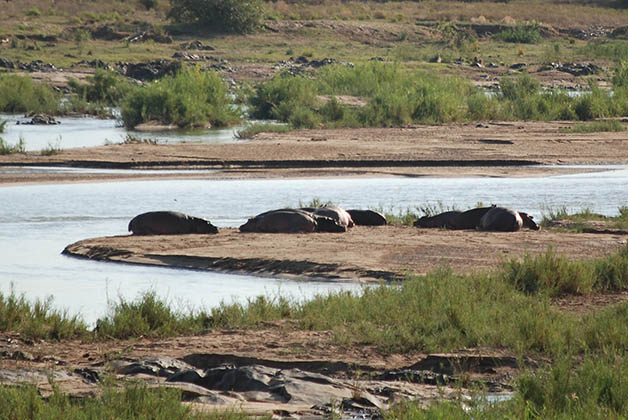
396	96
189	99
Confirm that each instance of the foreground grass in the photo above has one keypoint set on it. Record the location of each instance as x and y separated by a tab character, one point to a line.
133	402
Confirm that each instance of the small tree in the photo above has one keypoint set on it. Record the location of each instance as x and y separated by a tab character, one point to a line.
240	16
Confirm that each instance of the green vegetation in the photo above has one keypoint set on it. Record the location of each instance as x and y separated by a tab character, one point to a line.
440	311
396	96
595	127
252	129
190	98
593	389
149	316
577	221
239	16
135	401
21	94
9	149
526	34
3	124
37	319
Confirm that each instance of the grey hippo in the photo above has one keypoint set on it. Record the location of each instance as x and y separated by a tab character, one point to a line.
502	219
367	217
291	221
169	223
454	219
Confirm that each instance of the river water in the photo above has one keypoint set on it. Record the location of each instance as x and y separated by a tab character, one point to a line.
38	221
89	131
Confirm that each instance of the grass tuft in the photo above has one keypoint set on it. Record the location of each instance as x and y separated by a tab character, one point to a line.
595	127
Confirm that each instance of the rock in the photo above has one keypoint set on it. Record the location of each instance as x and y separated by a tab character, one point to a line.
149	71
196	45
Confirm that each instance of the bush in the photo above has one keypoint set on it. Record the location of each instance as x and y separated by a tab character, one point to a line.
21	94
239	16
526	34
104	87
189	99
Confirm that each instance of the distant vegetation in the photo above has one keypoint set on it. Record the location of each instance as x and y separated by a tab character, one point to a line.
397	96
189	99
595	127
22	94
522	33
239	16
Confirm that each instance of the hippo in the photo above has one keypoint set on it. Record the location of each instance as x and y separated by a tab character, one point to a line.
169	223
502	219
470	219
454	219
291	221
367	217
338	214
442	220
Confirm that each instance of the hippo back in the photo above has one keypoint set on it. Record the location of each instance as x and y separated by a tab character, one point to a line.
280	221
501	219
470	219
367	217
169	223
336	213
442	220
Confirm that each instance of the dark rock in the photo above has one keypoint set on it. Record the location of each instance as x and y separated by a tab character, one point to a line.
579	69
517	66
89	375
107	33
7	64
149	71
196	45
42	119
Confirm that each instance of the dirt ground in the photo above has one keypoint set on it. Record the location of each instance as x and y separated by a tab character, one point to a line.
363	253
504	149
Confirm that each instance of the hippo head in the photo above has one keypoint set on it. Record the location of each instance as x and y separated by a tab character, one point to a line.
327	224
204	226
528	221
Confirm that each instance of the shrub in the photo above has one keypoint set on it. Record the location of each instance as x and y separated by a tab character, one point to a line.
191	98
240	16
104	86
21	94
149	4
526	34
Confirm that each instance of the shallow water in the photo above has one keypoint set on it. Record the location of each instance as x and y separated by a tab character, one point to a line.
38	221
88	131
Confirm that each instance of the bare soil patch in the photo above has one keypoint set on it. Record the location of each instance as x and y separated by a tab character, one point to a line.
364	253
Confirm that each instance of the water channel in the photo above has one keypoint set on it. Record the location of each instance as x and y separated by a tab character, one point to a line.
38	221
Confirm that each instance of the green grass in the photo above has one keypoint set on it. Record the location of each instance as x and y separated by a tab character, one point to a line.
398	96
524	33
22	94
3	125
134	401
591	389
440	311
595	127
577	220
9	149
251	130
37	319
189	99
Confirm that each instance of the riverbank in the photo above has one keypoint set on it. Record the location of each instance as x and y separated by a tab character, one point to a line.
363	253
503	149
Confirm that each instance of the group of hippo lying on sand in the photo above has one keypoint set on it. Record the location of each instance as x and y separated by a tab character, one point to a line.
330	219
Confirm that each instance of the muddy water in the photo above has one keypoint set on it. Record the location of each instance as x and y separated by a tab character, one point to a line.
38	221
